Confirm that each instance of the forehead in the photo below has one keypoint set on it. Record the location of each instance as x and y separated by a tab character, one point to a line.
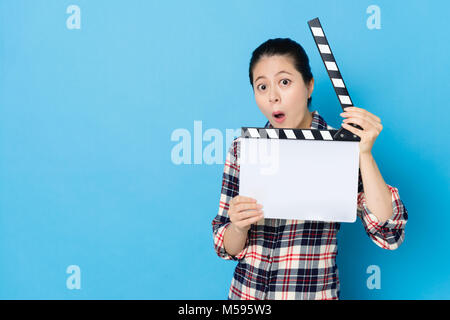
269	66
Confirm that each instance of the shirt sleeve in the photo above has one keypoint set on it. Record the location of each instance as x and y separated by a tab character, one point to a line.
391	233
230	189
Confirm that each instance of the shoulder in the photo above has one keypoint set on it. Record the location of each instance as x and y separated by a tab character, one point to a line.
320	123
234	148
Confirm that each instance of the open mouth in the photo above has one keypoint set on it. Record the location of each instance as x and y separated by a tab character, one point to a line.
279	116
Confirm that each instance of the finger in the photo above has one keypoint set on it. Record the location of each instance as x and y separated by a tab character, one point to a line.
352	129
356	110
247	206
249	221
368	114
359	121
242	199
364	122
249	214
368	117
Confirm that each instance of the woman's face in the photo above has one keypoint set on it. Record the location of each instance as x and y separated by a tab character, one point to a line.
279	87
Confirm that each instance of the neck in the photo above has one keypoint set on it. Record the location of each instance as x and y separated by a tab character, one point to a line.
307	121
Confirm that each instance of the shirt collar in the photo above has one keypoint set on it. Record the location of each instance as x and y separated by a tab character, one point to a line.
317	122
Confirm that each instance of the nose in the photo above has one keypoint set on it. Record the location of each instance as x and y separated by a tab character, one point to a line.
273	96
273	100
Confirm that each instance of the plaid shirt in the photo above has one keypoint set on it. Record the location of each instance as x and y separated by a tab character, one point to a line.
294	259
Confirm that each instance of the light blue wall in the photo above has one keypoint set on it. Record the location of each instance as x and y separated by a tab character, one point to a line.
86	118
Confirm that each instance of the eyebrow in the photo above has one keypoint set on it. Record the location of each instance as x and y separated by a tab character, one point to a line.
275	74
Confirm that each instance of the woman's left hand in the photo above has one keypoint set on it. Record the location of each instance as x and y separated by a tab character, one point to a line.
366	120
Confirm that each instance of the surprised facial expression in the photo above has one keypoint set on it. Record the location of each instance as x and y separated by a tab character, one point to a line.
280	92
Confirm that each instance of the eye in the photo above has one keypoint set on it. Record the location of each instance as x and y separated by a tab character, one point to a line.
261	86
285	81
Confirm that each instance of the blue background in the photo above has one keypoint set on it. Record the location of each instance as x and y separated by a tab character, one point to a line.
86	176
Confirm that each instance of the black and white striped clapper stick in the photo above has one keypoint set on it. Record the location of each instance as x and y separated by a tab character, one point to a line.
333	72
295	134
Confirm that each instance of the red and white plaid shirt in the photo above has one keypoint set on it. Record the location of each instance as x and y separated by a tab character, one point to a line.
294	259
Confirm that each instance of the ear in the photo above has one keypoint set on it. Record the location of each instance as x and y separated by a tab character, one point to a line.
310	87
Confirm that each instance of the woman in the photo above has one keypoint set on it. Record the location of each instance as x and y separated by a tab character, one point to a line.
295	259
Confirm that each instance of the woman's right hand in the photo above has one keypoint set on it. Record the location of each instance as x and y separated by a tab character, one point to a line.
243	212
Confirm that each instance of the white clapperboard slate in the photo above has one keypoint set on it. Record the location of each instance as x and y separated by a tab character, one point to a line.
303	174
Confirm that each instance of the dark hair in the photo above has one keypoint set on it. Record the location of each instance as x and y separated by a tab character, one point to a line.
287	47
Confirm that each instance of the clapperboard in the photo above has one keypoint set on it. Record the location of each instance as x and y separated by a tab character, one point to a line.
304	174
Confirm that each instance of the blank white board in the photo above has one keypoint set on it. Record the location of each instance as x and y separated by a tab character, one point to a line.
301	179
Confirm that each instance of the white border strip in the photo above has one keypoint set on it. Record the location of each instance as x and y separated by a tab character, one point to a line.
290	134
308	134
317	32
338	83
